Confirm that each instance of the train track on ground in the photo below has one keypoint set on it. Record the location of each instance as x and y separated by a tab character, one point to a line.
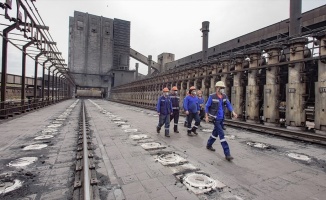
85	185
277	131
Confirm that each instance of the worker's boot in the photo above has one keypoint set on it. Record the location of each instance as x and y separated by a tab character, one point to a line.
176	129
167	134
210	148
158	129
229	158
194	130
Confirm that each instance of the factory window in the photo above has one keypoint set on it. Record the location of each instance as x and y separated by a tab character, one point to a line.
238	40
80	25
93	30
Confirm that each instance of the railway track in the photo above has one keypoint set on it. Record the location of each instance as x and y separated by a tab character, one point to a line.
85	185
282	132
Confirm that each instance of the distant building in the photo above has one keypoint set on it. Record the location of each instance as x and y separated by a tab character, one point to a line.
99	50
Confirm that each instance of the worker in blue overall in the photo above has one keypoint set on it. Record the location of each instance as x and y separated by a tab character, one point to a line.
175	99
164	110
186	118
192	109
201	101
215	109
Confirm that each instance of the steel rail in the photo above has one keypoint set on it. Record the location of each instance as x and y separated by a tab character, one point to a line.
86	184
294	134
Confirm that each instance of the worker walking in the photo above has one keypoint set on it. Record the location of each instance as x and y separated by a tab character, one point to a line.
215	109
164	110
192	109
186	118
175	99
201	101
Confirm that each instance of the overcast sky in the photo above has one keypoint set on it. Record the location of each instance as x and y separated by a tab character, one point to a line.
164	26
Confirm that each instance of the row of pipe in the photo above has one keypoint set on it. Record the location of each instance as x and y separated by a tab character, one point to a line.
274	85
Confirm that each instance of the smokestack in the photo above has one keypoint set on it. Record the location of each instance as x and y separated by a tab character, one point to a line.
149	59
136	71
295	18
205	30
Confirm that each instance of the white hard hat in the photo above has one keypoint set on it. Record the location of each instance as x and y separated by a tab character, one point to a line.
220	84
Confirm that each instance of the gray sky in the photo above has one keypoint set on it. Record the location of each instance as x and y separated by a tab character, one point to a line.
164	26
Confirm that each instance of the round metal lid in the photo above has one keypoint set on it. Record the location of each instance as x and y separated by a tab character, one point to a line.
199	181
35	146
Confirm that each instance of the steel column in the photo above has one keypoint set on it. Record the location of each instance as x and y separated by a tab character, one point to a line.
22	98
49	77
4	69
43	78
35	75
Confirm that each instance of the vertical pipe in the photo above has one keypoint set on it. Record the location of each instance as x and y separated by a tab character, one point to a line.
295	18
137	66
296	87
252	89
237	89
149	60
205	30
272	87
320	87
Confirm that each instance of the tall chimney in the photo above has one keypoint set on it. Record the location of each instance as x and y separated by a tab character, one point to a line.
149	59
295	18
136	71
205	30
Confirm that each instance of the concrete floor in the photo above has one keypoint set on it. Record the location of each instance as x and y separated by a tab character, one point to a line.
127	171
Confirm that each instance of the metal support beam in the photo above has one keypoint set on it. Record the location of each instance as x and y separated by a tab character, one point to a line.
4	68
43	78
49	77
22	98
35	75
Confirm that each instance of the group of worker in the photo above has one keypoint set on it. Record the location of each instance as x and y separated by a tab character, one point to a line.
168	109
